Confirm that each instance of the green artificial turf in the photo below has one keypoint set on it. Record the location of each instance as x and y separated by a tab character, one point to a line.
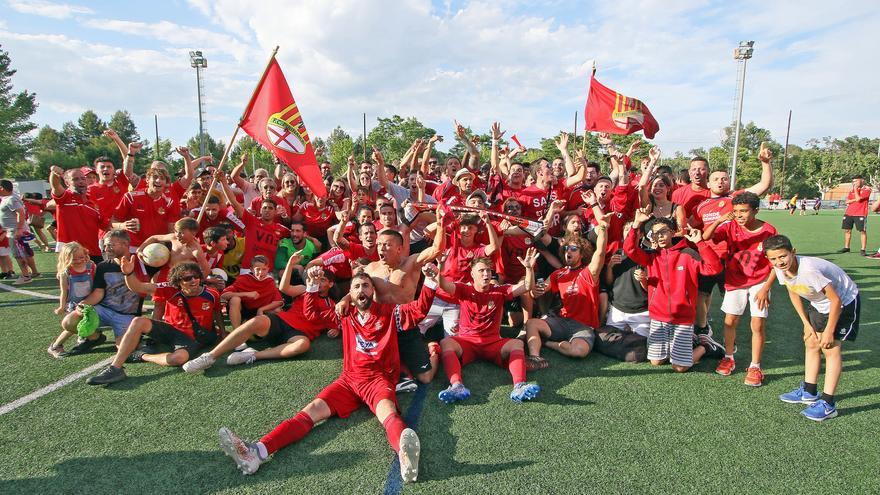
599	426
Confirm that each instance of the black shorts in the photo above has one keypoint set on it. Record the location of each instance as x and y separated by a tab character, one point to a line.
279	331
850	221
413	351
513	305
847	325
247	313
166	334
705	283
566	330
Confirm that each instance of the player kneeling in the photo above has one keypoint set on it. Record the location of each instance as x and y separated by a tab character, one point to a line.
369	372
479	330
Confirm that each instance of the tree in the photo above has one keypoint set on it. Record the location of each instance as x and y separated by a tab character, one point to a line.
247	145
212	147
88	126
16	110
395	135
339	148
123	125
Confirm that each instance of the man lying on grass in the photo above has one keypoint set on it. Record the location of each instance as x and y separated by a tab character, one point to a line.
371	366
192	319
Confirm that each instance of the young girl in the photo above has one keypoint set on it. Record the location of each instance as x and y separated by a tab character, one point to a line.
75	276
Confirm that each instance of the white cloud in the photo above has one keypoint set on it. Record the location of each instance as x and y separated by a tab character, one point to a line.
47	9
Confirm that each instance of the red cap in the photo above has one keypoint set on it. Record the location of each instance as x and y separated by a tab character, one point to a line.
87	170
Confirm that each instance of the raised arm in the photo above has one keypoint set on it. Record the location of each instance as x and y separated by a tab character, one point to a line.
56	181
528	282
497	134
562	145
380	168
439	245
766	181
236	174
426	155
220	177
126	264
494	242
598	260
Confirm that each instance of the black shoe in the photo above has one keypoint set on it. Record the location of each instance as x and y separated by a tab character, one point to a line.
136	357
86	345
713	348
863	253
843	250
5	275
107	376
707	330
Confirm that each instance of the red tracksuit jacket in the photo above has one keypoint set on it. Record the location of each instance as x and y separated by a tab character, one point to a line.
672	277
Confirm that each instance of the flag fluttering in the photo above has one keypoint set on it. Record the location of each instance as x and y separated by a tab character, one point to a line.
609	111
274	121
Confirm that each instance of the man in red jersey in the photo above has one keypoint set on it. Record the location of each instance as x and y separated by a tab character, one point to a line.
572	331
215	214
478	337
112	184
289	333
718	205
369	373
688	196
262	234
856	213
536	198
190	303
78	218
145	213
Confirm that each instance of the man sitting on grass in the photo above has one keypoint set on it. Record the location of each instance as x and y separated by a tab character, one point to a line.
190	305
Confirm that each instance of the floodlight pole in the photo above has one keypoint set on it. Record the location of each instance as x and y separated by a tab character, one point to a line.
744	53
199	62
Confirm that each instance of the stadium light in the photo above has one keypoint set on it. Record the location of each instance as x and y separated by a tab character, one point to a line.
199	62
743	53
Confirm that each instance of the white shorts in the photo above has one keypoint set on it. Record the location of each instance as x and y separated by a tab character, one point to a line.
639	323
442	309
735	302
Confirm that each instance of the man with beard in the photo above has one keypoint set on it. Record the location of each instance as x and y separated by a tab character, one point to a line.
78	218
298	243
145	213
572	331
478	337
689	196
369	372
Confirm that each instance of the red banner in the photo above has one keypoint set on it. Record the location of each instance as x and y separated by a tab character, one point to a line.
614	113
273	119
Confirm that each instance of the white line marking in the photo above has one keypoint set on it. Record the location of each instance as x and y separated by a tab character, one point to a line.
53	387
27	292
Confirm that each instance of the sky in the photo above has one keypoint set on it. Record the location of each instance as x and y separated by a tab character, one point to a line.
525	64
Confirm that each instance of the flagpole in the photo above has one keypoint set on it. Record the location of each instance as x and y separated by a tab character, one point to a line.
575	143
365	136
584	142
234	134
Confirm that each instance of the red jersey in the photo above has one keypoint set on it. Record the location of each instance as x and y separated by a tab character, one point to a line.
79	220
155	215
579	293
261	238
108	196
457	267
248	283
369	342
282	209
203	307
745	262
175	189
710	210
512	248
323	316
860	207
318	220
688	199
226	215
339	261
481	312
535	200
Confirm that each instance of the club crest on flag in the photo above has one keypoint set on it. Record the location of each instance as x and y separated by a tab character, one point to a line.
285	130
627	113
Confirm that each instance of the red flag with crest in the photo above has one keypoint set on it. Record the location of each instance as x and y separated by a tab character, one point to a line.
614	113
274	121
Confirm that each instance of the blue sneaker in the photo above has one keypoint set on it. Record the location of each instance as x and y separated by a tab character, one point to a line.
820	411
799	396
524	391
454	393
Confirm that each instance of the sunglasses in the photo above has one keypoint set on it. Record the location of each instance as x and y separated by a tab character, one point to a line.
572	248
190	278
432	162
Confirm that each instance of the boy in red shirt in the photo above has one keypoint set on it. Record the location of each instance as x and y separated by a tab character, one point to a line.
369	373
478	337
856	213
289	332
252	294
745	273
145	213
672	288
190	303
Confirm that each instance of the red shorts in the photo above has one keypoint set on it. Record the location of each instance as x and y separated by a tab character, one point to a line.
346	394
485	351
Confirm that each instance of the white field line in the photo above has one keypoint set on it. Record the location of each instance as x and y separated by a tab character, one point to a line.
6	408
27	292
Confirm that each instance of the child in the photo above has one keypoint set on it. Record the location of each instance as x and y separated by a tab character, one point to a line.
75	276
672	288
831	318
746	270
252	294
6	270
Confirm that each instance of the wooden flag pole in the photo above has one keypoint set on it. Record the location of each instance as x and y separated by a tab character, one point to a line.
365	136
234	134
584	142
575	142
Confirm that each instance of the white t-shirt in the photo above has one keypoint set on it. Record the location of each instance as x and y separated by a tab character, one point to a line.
814	274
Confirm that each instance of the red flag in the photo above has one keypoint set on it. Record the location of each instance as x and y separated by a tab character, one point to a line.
611	112
273	119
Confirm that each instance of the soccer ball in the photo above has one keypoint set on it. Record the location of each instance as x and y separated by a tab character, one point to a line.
155	255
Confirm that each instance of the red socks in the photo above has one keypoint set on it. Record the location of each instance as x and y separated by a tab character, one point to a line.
289	431
394	426
453	366
516	363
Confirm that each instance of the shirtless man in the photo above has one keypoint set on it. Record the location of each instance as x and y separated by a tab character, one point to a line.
184	245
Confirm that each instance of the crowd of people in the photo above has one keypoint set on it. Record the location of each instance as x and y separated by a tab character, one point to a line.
416	263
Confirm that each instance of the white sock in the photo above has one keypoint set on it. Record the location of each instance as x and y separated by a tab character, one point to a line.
755	365
261	450
729	356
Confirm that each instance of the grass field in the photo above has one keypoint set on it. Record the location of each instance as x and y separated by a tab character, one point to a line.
598	426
